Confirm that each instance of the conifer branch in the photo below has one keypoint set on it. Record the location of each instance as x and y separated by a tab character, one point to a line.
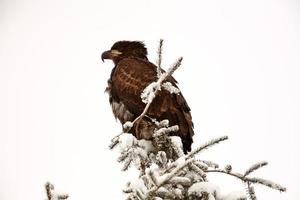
251	192
206	145
234	174
165	171
49	187
166	178
249	180
255	167
267	183
52	195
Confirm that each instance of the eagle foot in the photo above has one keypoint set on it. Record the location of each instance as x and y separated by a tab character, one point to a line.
144	129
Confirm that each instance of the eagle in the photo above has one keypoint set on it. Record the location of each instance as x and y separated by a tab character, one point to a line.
132	73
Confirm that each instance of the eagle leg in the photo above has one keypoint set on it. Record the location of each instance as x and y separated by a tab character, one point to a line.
136	129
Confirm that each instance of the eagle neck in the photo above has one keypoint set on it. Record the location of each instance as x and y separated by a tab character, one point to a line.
112	72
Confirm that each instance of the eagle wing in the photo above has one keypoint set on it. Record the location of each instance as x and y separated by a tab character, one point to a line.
128	80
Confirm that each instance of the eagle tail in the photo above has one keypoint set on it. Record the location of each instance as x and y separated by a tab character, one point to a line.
186	131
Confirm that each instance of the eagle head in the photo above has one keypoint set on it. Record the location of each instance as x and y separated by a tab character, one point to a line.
125	49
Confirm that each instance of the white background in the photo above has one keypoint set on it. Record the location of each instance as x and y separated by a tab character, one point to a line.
240	76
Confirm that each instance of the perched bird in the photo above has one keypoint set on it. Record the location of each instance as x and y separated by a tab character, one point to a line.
132	73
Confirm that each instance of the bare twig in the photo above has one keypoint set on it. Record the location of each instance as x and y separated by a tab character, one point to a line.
157	84
157	88
159	59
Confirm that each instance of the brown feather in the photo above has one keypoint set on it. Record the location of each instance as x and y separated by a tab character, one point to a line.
131	75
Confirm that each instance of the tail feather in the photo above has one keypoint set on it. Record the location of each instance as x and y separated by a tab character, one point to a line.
185	129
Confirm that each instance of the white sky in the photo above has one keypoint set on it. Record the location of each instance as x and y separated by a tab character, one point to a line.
240	76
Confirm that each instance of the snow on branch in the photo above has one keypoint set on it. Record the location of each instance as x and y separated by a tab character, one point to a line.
134	151
250	192
149	94
170	88
52	195
207	145
186	177
255	167
249	180
151	90
159	59
267	183
165	171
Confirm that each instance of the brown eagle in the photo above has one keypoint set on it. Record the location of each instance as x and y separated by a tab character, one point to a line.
130	76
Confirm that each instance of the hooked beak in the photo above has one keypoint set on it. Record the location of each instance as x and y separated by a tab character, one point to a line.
110	54
106	55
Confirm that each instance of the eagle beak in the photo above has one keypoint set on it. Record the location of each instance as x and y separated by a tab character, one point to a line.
106	55
110	54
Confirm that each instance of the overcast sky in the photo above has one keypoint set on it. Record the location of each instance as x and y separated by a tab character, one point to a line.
240	76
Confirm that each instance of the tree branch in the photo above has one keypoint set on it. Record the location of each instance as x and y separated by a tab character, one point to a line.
156	87
52	195
159	59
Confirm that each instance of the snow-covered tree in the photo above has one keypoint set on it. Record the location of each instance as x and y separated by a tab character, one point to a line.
165	172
